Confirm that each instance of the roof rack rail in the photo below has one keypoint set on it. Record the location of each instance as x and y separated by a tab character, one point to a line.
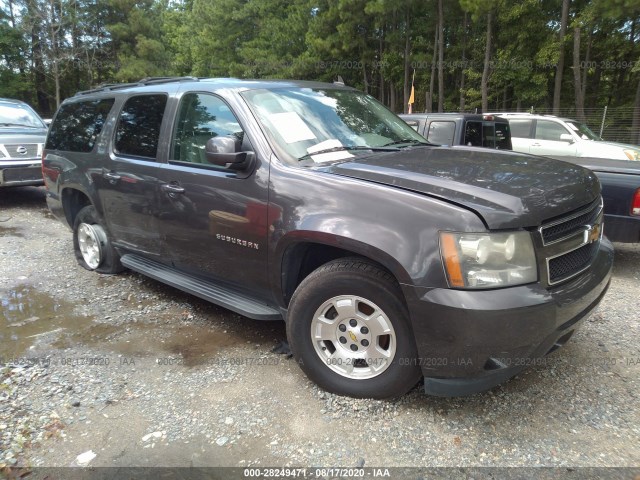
155	80
144	81
105	87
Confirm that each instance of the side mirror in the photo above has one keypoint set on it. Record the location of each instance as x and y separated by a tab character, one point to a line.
222	151
566	137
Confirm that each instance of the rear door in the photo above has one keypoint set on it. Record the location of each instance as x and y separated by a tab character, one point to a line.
128	180
521	134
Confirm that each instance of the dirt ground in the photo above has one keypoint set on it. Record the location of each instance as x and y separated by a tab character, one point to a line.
141	374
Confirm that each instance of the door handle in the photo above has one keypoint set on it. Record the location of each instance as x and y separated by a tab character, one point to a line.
172	188
111	176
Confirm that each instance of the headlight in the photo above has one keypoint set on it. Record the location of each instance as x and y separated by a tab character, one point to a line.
488	260
632	154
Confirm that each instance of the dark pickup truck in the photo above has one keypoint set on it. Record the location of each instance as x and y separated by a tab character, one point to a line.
389	258
470	129
620	180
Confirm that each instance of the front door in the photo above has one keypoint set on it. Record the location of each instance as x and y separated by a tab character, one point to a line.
547	140
213	220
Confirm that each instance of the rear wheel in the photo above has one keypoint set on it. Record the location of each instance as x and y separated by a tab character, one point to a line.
91	244
349	329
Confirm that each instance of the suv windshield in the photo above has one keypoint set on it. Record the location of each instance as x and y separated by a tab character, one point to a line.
584	131
13	115
326	124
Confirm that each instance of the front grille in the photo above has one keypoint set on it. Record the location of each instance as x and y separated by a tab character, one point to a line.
31	150
571	243
572	263
571	224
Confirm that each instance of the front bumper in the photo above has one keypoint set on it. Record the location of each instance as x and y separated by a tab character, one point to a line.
470	341
20	175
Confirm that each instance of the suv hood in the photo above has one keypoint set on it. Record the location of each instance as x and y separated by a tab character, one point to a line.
606	149
508	190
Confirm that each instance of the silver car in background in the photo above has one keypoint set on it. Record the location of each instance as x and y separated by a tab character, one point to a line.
22	136
555	136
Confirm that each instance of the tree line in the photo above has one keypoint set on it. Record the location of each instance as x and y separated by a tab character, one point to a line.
461	55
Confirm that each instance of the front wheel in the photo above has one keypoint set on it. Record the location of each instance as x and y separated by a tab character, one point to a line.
91	246
349	329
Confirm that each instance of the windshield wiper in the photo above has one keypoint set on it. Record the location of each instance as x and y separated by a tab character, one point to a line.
5	124
410	141
383	148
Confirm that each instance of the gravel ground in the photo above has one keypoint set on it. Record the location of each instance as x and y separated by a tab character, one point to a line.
143	375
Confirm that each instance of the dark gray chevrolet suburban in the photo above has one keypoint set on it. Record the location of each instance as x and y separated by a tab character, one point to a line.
388	258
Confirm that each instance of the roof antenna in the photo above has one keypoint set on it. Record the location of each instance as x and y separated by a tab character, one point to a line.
339	81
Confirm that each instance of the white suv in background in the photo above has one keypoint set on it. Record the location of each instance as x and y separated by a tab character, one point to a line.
555	136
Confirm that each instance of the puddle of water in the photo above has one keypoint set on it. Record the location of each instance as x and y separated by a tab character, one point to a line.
10	232
29	316
192	345
198	346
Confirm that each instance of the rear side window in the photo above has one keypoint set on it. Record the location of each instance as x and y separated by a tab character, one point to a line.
520	128
139	124
473	134
441	133
503	137
78	125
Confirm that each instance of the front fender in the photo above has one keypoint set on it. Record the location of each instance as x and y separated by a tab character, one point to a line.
397	228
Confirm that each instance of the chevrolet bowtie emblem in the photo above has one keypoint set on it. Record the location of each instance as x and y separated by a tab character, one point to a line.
353	337
592	233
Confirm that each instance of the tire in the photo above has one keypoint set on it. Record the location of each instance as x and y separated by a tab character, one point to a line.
91	245
325	331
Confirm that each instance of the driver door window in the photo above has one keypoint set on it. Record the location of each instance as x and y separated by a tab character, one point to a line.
200	117
546	130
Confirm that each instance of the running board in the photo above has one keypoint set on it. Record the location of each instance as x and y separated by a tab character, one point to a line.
214	293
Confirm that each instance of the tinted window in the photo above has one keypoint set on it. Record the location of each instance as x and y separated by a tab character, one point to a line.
200	118
520	128
547	130
488	135
441	133
77	125
503	137
473	134
139	126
